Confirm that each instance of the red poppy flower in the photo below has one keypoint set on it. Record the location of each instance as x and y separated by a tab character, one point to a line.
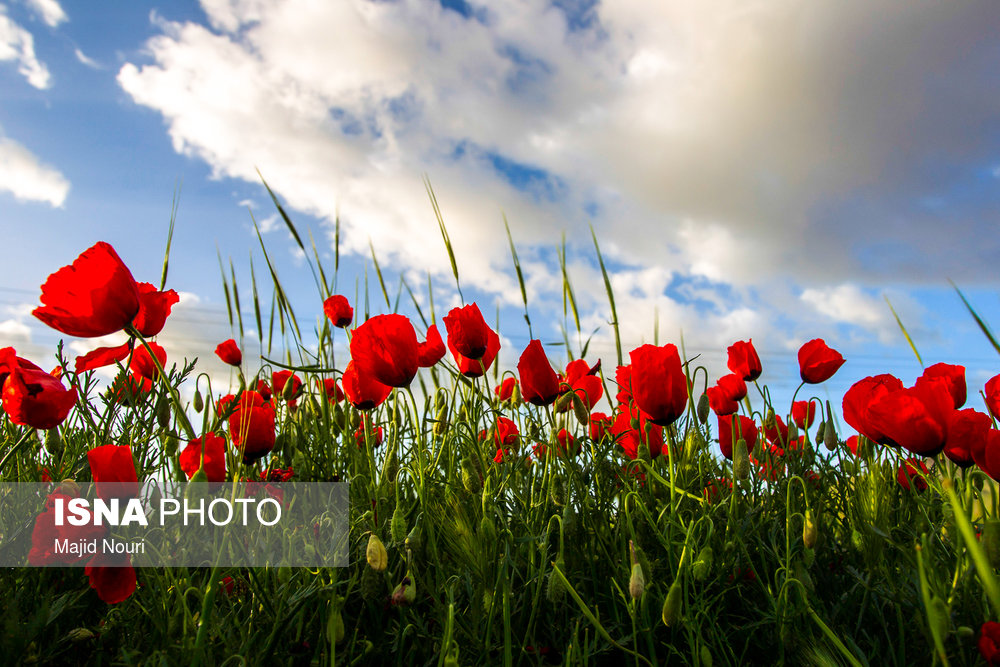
965	428
539	384
861	396
338	310
623	378
915	419
154	308
280	378
35	398
989	643
251	426
986	453
734	427
818	362
853	443
432	349
720	402
992	393
911	472
103	356
599	425
803	413
743	360
474	368
94	296
952	375
506	433
468	333
659	386
112	576
45	534
113	471
505	390
776	431
377	435
567	443
630	427
264	389
589	389
127	388
362	390
385	347
142	363
229	352
331	389
769	465
190	458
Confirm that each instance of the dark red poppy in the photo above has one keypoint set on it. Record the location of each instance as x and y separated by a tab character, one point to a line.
818	362
861	396
385	347
280	378
338	310
154	308
35	398
853	443
770	464
804	412
743	360
720	402
539	384
113	471
659	386
474	368
112	576
505	390
229	352
989	643
264	389
915	419
94	296
331	389
214	454
590	389
623	378
952	375
734	427
45	534
912	471
103	356
468	333
432	349
599	425
127	388
631	427
142	363
567	444
965	427
776	431
362	390
986	453
251	426
506	433
377	435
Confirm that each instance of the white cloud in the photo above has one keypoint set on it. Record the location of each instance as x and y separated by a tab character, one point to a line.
28	179
17	45
14	332
49	11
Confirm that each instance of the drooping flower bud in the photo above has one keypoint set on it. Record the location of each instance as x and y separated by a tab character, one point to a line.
741	460
637	580
810	530
558	491
376	554
556	590
406	592
397	525
703	408
199	401
702	565
671	613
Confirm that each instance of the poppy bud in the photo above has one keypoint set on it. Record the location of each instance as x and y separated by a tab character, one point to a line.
830	433
487	530
741	460
808	557
570	522
77	635
163	412
414	541
821	431
703	408
556	590
702	565
335	627
809	530
397	525
375	554
170	444
991	542
558	491
370	584
793	432
671	614
803	575
580	409
441	421
199	402
470	477
451	659
706	656
636	582
965	632
405	593
53	443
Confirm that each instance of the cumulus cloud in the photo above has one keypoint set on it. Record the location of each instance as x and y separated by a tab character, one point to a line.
49	11
27	178
737	160
18	46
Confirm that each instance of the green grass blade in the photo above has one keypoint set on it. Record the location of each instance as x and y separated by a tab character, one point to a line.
378	272
256	303
444	235
567	286
982	325
906	334
611	295
170	236
225	288
520	275
236	298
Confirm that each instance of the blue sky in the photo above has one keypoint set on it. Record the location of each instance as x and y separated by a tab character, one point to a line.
765	170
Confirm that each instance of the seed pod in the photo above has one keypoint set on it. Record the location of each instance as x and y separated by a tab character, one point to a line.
965	632
170	442
470	477
706	656
636	582
415	540
406	592
671	614
441	421
53	443
703	408
557	490
376	554
199	401
991	542
741	460
556	590
830	440
163	412
77	635
580	410
702	565
821	431
335	627
810	530
397	525
371	583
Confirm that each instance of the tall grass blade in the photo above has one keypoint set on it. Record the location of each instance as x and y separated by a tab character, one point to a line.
982	325
236	298
256	303
611	296
520	275
378	272
906	334
170	235
225	288
567	286
444	235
